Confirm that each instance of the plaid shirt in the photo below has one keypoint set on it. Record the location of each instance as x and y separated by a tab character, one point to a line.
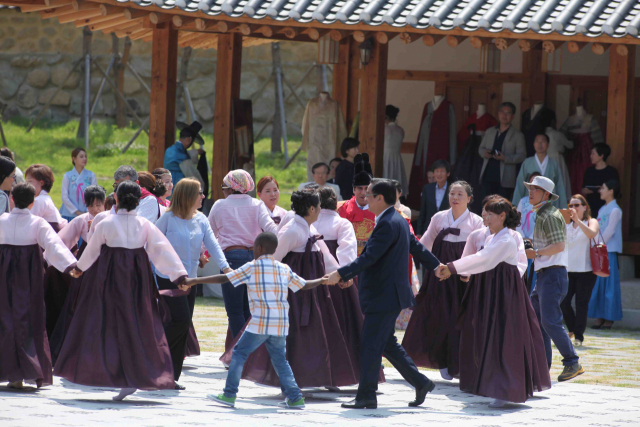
267	282
550	228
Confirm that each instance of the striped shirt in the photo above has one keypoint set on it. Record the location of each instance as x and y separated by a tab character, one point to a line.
267	282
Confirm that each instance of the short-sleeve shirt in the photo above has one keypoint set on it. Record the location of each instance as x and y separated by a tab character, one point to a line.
267	283
550	229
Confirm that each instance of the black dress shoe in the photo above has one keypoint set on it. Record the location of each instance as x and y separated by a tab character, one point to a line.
177	386
422	393
361	404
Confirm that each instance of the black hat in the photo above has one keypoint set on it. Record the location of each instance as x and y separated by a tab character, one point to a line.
191	130
362	174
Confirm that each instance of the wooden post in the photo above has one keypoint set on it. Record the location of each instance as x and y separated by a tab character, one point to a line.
162	111
534	88
276	124
372	105
229	62
86	50
342	81
620	116
353	100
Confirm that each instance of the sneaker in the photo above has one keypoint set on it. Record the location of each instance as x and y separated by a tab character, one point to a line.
298	404
221	398
577	343
570	372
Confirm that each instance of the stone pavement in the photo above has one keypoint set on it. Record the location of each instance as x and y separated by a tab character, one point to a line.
66	404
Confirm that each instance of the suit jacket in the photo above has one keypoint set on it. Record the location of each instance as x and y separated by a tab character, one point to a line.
429	206
382	267
514	150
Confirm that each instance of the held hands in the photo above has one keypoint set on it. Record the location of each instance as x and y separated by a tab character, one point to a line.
442	272
345	285
187	284
75	273
465	278
333	278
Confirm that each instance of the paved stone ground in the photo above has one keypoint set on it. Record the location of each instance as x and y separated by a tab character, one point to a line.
66	404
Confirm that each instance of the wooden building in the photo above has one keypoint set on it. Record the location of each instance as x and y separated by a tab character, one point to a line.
538	27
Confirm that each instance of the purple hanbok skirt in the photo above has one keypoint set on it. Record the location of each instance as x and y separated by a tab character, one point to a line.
501	349
116	338
24	347
431	339
193	346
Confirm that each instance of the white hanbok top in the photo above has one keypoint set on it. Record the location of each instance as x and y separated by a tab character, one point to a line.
286	219
476	241
333	227
294	237
505	246
44	208
22	228
78	228
277	211
467	223
98	218
127	230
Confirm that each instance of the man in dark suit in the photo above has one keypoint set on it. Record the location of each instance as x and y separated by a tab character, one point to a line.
435	195
384	291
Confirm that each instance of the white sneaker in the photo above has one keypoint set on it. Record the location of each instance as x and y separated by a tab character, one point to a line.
444	373
497	403
577	343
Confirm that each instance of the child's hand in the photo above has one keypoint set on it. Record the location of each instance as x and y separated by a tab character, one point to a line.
184	287
324	280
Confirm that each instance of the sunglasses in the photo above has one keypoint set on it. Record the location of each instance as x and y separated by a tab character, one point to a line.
575	206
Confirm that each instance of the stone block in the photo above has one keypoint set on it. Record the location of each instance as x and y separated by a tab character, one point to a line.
249	84
61	99
141	65
49	31
54	59
27	97
26	62
203	109
131	85
11	111
39	77
28	33
75	105
7	44
10	81
44	44
59	115
59	73
201	88
27	46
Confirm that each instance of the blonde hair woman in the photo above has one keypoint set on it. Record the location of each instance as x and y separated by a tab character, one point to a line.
186	229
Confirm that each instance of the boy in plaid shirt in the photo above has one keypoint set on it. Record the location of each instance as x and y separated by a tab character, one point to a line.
267	283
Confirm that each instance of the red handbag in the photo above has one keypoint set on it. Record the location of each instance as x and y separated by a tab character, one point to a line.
599	258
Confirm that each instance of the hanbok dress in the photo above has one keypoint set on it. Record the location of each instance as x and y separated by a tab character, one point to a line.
502	354
116	337
72	192
431	339
43	207
24	347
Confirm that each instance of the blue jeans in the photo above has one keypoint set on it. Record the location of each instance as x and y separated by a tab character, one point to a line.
236	302
552	285
277	347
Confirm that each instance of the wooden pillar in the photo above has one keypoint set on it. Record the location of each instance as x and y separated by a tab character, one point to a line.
227	89
162	110
353	100
372	105
342	80
620	116
534	88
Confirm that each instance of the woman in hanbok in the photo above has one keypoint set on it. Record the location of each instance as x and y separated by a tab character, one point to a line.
116	338
501	347
74	236
41	178
431	339
606	300
269	193
24	347
74	183
187	230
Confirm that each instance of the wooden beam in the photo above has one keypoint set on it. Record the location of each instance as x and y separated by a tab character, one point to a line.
455	76
478	42
133	33
527	45
79	5
158	18
503	43
372	106
40	7
599	48
192	38
162	112
430	39
408	38
106	9
141	34
229	61
137	23
620	117
267	31
361	36
54	13
181	21
91	21
550	46
622	49
574	47
133	14
246	29
290	32
57	3
454	41
75	16
337	35
110	23
384	37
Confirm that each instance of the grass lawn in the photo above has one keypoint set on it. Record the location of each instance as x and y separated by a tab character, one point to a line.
52	144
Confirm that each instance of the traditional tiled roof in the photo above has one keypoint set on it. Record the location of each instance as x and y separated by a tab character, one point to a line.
592	18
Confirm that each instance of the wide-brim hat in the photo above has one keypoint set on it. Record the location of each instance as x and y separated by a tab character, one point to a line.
546	184
193	129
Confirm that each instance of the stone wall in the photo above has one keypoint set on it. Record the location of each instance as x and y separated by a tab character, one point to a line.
36	56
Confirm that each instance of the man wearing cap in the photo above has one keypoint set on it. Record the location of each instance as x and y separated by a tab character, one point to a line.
550	262
356	209
177	153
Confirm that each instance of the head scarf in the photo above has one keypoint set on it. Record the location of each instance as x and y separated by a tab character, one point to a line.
239	180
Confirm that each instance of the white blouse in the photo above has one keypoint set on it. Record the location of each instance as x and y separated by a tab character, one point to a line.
505	246
578	249
127	230
22	228
75	230
333	227
467	223
98	218
476	241
44	208
294	237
